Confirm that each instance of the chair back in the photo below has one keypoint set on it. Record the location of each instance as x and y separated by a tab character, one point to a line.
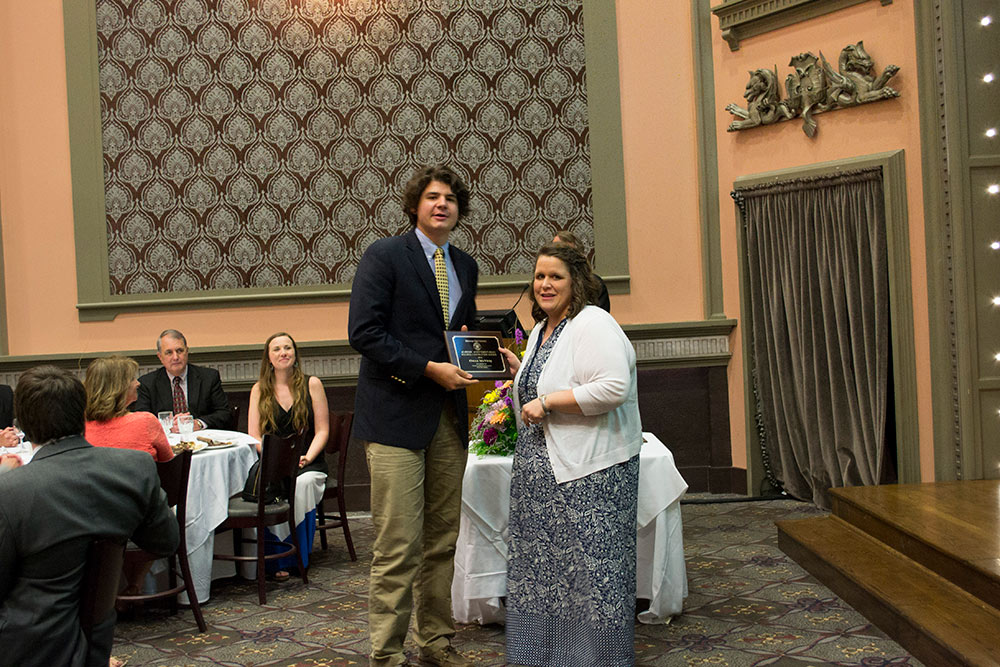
234	418
340	437
279	463
174	476
340	431
101	575
174	481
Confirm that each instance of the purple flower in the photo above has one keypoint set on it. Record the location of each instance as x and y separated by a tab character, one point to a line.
518	336
490	436
498	384
510	403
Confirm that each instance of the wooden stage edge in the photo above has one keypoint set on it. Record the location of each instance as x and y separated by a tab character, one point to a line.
921	561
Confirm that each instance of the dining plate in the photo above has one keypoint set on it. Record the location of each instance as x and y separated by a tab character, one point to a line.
195	447
223	445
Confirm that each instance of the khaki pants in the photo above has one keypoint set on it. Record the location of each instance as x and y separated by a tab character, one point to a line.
416	498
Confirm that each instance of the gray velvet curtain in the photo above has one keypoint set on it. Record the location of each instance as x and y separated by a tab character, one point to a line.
819	303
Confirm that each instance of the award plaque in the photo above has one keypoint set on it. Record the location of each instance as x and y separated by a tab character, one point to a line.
478	354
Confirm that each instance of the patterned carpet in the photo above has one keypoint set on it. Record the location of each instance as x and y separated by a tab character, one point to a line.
748	605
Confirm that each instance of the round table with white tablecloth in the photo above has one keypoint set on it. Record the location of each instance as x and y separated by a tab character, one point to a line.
216	474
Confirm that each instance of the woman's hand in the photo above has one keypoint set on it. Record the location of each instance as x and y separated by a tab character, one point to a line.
512	361
9	437
10	461
304	461
532	412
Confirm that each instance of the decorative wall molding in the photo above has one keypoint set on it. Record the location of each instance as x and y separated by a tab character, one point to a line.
739	19
698	350
708	160
814	87
336	363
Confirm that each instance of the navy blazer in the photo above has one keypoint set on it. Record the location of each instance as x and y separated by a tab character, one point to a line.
397	325
205	398
53	508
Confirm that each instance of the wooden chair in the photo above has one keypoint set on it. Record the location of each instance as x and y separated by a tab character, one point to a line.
340	436
101	576
279	464
174	482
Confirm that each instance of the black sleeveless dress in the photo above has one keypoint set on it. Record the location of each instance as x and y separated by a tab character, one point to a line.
285	428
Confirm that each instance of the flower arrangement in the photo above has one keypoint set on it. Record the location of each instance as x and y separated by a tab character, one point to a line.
494	429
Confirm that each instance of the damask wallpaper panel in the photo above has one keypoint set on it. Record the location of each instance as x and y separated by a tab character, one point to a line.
255	144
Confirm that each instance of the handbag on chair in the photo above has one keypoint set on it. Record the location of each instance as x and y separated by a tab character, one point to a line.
251	489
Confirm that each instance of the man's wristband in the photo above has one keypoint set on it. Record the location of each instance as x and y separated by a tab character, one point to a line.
545	408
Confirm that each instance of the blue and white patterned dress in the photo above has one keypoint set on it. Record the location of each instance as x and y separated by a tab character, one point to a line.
571	573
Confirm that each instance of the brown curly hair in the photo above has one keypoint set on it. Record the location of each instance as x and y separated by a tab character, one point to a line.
585	287
422	178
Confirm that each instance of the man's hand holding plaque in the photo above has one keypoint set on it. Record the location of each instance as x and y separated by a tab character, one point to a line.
478	354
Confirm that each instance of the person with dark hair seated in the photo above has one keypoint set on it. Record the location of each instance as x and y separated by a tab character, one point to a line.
8	434
53	508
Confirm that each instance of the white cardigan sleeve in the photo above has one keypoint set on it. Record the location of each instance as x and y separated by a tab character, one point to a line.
602	363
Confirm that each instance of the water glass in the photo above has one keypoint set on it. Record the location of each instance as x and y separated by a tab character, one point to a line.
185	426
166	420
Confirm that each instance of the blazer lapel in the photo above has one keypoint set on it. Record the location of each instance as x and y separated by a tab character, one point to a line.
194	387
423	271
163	388
464	277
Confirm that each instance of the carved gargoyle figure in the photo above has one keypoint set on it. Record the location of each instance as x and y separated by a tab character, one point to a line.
764	105
806	89
812	88
855	83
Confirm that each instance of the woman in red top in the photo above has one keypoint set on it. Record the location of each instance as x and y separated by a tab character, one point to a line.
111	387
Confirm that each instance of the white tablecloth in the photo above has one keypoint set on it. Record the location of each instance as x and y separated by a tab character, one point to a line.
481	553
216	474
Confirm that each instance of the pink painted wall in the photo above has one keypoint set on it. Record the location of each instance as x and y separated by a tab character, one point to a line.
889	36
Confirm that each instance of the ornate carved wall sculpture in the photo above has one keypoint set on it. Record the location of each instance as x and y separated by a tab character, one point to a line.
263	143
813	88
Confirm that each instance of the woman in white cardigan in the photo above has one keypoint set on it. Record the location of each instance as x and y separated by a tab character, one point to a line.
571	573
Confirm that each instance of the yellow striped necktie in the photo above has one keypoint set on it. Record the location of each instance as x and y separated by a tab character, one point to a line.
441	276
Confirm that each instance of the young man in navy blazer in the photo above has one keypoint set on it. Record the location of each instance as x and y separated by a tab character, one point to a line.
200	388
411	413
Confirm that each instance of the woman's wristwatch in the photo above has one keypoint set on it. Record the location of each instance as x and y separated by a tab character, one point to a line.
545	408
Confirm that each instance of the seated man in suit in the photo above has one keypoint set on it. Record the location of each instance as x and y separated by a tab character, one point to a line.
53	508
181	387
